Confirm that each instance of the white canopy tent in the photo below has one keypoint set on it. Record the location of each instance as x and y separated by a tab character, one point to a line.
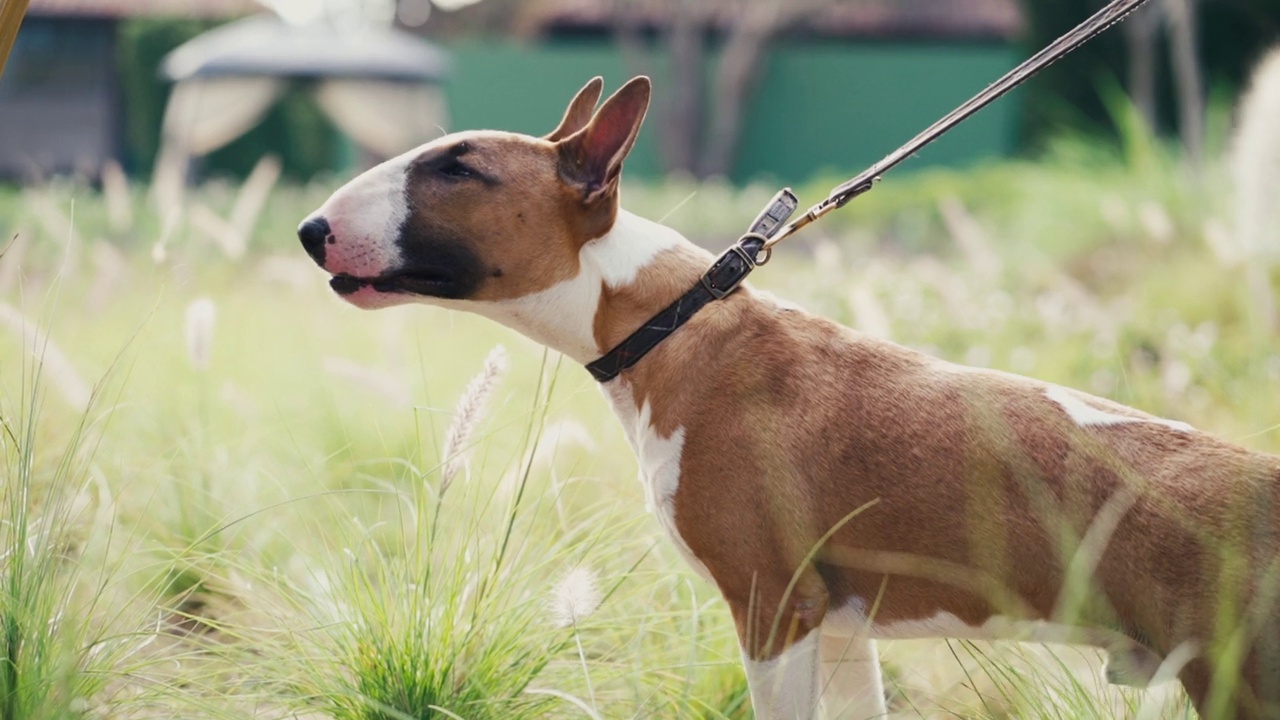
379	86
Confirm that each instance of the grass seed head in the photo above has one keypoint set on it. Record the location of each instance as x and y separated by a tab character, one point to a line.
1255	163
469	412
201	316
575	597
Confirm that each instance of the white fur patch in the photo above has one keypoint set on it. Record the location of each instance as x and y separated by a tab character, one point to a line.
1128	663
365	217
786	687
846	620
850	620
619	255
1085	415
946	625
942	625
562	317
659	460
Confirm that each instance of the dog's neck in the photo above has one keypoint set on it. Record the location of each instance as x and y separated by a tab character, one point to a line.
624	277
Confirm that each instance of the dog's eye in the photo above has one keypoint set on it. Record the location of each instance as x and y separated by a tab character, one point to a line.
455	169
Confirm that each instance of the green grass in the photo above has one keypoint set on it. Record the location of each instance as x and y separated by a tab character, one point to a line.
71	613
279	530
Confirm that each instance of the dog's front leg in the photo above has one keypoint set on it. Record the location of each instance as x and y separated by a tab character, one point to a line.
778	630
786	686
851	684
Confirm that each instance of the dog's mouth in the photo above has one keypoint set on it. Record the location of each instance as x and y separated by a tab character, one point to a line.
440	270
404	283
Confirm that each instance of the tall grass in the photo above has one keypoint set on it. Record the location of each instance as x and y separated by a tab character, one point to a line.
426	621
70	635
42	653
303	510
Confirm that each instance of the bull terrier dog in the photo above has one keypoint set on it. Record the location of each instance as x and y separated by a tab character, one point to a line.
836	488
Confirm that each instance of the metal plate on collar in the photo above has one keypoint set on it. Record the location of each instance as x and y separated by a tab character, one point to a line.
728	272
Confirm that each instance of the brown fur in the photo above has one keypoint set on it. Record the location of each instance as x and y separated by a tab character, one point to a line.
980	487
540	199
526	236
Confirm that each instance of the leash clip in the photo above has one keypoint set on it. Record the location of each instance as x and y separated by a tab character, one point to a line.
854	188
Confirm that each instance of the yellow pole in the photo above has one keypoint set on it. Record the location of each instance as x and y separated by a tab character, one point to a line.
11	13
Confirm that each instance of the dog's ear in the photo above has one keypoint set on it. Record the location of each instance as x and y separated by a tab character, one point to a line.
579	111
592	157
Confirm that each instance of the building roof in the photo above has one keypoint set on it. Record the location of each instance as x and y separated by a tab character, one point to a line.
850	18
134	8
266	45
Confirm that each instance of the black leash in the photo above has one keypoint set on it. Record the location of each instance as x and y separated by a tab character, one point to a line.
1110	15
756	247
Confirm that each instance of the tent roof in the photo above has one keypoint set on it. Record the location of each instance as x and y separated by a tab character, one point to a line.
136	8
265	45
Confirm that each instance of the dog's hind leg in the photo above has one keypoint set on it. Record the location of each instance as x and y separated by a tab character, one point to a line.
852	688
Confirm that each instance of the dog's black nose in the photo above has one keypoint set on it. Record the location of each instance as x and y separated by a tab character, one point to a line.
313	233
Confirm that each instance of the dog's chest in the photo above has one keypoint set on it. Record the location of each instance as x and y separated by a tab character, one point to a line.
659	460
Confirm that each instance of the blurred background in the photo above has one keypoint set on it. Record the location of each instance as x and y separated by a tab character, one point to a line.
224	493
745	90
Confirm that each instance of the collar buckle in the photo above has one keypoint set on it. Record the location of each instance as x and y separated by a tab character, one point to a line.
728	271
722	278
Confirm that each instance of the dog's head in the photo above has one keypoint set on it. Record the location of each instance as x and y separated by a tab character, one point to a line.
482	215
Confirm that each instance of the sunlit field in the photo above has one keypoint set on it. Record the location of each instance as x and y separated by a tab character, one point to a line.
228	494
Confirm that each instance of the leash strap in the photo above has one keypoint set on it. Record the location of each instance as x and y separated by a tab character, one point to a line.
1113	13
755	248
724	276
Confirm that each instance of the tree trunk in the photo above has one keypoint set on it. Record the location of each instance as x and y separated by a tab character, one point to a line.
679	99
681	131
739	68
1141	32
1189	73
629	32
734	85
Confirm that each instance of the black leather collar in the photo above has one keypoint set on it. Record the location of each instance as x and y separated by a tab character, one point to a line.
723	277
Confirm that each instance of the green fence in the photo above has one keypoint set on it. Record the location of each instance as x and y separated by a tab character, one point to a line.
820	106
